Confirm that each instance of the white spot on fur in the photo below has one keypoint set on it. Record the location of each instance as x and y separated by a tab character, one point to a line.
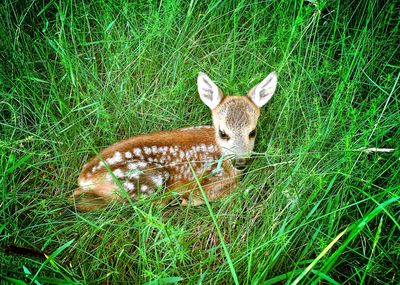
134	174
157	180
100	165
137	152
128	185
141	164
211	148
147	150
117	157
203	148
165	176
144	188
154	149
128	154
181	154
118	173
132	166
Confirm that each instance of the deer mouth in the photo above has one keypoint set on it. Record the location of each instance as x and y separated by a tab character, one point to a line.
240	163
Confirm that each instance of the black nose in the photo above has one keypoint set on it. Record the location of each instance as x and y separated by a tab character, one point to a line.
240	163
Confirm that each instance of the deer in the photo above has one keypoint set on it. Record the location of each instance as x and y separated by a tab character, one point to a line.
188	163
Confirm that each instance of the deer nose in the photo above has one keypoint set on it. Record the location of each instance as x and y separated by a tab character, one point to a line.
240	163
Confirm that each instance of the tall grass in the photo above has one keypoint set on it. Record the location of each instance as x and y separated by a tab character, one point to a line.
321	200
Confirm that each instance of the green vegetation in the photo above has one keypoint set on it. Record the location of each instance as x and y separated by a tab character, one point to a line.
321	200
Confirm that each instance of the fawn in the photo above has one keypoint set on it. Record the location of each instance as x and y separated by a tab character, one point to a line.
169	160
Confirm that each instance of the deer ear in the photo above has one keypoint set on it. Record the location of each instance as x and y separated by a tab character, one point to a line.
208	91
262	92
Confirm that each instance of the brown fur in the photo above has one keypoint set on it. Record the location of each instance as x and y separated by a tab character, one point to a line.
102	190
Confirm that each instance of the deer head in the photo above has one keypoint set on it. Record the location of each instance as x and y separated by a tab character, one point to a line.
235	117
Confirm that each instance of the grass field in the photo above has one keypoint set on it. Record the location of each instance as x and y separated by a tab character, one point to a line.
320	203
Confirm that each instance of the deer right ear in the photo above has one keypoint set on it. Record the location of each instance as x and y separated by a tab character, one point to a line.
263	92
208	91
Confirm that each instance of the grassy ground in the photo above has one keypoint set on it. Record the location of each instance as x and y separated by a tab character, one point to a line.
316	205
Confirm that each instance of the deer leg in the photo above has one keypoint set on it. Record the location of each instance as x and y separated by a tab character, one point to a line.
213	188
88	202
95	195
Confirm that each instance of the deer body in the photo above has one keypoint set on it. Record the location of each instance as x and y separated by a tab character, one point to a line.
167	161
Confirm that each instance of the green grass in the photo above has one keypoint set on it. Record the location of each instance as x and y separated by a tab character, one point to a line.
315	206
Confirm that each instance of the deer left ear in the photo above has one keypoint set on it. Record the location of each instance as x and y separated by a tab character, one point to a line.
262	92
208	91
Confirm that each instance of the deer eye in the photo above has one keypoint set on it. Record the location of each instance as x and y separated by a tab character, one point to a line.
252	134
223	135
